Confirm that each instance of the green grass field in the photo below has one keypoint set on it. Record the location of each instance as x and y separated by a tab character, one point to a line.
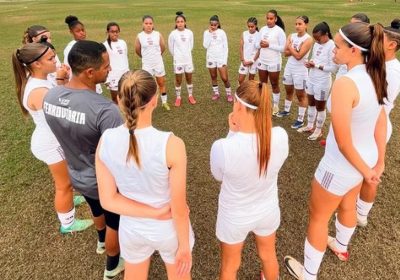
30	245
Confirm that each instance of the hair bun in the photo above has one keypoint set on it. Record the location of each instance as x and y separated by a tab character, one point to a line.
395	23
179	13
69	19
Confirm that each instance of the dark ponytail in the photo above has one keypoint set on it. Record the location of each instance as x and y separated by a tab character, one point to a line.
279	20
323	29
72	21
215	18
109	25
179	14
254	21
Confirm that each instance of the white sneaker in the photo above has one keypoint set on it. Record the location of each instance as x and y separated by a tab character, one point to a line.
110	274
101	247
343	256
275	110
305	129
316	134
294	267
362	221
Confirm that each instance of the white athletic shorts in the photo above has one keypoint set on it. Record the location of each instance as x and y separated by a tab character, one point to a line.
136	248
113	80
320	92
183	68
215	64
156	70
233	234
296	78
45	147
336	184
244	70
269	67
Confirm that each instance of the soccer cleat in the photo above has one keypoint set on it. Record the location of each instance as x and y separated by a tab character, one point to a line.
294	267
297	124
343	256
78	200
178	102
166	106
315	135
101	247
215	96
282	114
229	98
192	100
275	110
110	274
78	225
362	221
305	129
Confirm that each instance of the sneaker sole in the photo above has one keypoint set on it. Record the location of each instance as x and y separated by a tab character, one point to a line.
289	269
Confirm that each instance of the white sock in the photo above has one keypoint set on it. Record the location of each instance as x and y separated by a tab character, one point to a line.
302	112
164	98
343	236
67	219
228	91
178	91
276	97
215	89
311	116
288	104
312	261
363	208
321	116
190	89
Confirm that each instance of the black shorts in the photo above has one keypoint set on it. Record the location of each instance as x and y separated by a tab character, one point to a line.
112	219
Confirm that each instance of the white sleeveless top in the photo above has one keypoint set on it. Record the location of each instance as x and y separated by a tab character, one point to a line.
363	120
42	137
246	197
296	44
149	184
249	45
118	53
150	48
393	89
276	38
180	45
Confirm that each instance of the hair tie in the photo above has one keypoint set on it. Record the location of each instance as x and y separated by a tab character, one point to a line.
131	131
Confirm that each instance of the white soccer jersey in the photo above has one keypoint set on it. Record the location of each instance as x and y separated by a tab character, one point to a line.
118	53
322	54
276	38
296	44
67	50
249	45
150	48
180	45
216	44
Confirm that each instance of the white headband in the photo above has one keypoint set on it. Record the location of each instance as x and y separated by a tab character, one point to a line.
245	103
351	42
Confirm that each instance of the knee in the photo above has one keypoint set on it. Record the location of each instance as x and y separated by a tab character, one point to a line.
63	187
230	267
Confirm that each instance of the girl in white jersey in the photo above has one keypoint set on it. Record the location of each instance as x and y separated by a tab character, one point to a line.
247	162
180	44
272	42
137	162
216	43
248	51
392	45
32	63
38	34
355	146
150	46
118	53
321	67
295	76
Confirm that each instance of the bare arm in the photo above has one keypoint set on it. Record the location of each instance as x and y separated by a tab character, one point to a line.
162	44
304	48
176	161
138	47
380	138
113	201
